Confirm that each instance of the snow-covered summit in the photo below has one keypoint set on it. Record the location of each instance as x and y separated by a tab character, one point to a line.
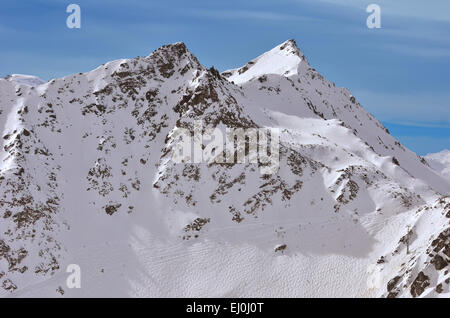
28	80
86	178
284	59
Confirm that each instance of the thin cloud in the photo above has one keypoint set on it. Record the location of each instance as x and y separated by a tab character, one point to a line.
431	109
410	50
423	33
248	14
437	11
421	124
424	145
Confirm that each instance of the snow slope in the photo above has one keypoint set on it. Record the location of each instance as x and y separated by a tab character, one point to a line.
29	80
86	178
440	162
285	59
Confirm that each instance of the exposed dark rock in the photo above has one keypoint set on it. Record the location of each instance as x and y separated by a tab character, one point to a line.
281	248
420	283
392	283
439	262
395	161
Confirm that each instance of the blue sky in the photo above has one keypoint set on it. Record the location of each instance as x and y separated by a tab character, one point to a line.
400	73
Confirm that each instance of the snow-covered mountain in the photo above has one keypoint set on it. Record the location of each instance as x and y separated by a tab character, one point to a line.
440	162
29	80
86	178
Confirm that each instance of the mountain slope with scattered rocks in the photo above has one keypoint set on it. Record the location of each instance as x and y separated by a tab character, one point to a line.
87	178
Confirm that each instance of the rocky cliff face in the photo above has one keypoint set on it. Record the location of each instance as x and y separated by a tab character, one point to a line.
86	177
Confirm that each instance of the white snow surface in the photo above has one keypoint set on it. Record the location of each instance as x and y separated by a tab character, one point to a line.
86	178
440	162
284	59
28	80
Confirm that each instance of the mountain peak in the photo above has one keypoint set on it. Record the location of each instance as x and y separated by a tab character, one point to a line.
290	46
285	59
178	48
170	56
29	80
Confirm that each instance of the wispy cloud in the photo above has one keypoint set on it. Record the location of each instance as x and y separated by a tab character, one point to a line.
424	145
412	50
418	33
421	124
420	109
437	10
247	14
